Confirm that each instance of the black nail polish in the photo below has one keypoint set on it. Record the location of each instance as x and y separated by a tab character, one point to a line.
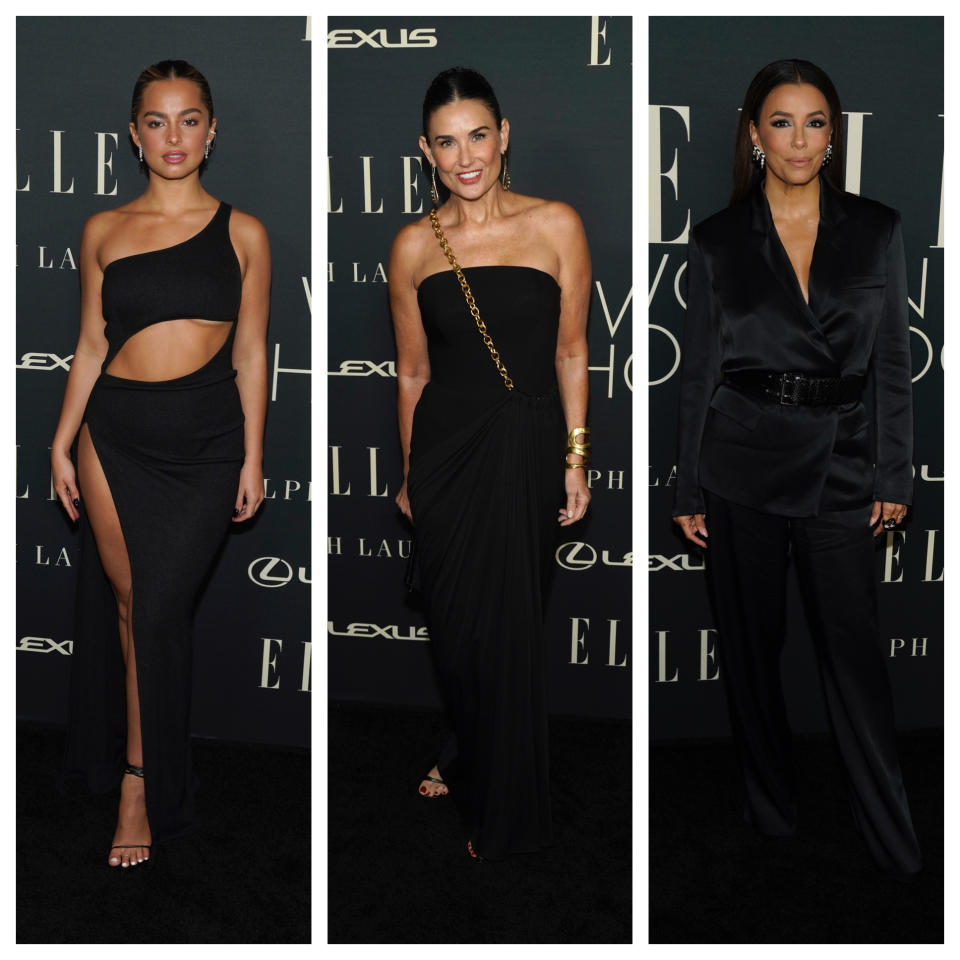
76	503
236	513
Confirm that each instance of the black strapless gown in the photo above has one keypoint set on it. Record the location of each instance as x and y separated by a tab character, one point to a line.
171	452
485	484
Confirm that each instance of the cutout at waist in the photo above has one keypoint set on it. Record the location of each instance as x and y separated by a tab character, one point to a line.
169	349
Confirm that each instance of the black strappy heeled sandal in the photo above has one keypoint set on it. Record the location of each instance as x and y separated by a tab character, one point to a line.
433	796
136	772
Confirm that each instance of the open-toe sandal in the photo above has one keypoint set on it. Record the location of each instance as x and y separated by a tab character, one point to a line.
433	796
136	772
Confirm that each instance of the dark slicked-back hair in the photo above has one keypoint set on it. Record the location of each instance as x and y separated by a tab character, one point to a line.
170	70
458	83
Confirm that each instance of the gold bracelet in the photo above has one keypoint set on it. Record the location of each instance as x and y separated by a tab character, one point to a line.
578	449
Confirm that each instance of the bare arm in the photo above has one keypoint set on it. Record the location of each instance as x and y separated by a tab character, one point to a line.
413	362
84	368
250	356
571	355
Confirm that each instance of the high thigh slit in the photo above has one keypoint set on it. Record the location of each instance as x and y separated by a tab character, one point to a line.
170	452
112	550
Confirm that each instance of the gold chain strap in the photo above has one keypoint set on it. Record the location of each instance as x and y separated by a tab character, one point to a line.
471	303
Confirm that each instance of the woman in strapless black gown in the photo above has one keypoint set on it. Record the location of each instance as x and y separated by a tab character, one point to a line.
488	389
163	414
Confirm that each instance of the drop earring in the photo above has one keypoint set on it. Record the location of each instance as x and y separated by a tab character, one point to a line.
759	157
827	156
504	174
140	150
434	196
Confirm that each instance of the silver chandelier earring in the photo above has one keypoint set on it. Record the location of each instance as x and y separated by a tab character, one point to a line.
759	157
140	150
504	174
827	156
434	196
206	149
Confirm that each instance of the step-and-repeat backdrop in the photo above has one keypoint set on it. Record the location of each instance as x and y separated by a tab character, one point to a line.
564	84
888	72
75	76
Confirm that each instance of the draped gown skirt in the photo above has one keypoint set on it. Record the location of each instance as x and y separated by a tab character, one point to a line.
171	452
485	485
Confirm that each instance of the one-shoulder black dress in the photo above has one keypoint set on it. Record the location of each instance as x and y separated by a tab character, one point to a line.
485	484
171	452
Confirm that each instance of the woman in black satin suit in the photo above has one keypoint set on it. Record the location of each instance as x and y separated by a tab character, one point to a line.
796	302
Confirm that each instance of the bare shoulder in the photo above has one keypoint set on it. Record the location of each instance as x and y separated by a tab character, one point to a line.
558	225
552	219
414	235
102	224
410	244
98	232
559	218
247	231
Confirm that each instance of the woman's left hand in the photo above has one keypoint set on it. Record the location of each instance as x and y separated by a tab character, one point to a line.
578	496
249	494
883	511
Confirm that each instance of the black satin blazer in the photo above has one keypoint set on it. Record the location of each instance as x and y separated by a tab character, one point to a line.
746	312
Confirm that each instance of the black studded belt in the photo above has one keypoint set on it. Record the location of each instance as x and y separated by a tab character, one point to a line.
791	389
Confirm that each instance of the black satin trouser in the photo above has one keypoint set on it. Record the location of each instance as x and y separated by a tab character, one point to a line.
746	572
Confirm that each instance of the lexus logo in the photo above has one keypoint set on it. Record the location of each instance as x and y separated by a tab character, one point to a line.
350	38
576	555
682	561
270	572
364	368
44	361
45	645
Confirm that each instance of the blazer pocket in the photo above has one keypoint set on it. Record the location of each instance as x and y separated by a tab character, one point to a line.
852	422
863	282
737	406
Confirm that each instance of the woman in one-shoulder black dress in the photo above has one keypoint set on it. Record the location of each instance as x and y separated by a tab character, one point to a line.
483	423
164	410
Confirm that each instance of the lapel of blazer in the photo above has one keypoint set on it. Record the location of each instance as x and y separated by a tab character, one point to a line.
828	253
771	249
825	259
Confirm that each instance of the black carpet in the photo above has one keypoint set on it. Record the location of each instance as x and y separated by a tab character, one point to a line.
243	876
714	880
398	868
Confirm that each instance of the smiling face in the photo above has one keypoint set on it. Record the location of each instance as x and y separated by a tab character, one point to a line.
793	129
172	127
465	146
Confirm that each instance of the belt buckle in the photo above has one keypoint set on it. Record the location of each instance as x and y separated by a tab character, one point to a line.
791	382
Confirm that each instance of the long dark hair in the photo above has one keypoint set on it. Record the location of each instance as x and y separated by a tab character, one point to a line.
745	173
